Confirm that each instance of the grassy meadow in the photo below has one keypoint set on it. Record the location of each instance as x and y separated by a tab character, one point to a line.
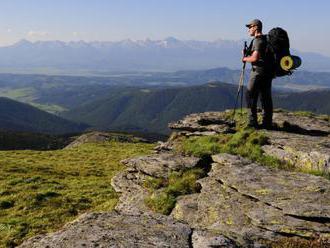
40	191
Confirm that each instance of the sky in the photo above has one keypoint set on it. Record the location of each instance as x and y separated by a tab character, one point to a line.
307	21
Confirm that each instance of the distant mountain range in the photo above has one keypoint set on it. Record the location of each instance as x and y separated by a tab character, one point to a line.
16	116
169	54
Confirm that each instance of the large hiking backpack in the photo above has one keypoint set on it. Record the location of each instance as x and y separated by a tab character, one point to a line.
278	50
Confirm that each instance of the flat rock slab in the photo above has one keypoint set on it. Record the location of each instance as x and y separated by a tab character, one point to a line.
294	193
252	204
116	230
160	165
313	124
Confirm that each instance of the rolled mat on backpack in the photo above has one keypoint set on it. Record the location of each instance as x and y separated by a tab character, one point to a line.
290	62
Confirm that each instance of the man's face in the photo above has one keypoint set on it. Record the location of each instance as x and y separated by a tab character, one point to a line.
252	30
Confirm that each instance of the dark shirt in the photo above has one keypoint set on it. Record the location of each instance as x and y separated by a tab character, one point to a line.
259	44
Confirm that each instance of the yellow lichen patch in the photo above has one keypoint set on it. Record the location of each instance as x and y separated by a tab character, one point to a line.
229	221
297	232
263	191
177	213
275	222
212	215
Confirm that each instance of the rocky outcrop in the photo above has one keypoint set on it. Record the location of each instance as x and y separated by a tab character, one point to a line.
302	141
204	123
99	137
130	183
253	204
240	203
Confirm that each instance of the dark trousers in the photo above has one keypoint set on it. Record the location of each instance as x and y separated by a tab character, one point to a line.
260	84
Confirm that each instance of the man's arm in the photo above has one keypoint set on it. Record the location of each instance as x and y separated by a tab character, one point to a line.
253	58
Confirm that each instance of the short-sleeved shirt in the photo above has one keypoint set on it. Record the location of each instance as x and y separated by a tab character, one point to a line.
260	44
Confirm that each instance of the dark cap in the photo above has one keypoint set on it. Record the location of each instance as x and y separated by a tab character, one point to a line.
255	22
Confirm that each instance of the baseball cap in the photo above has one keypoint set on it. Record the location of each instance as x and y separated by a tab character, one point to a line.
255	22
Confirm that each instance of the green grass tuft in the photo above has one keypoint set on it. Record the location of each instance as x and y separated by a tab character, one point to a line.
162	200
245	142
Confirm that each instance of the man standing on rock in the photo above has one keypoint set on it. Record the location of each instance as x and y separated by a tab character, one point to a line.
260	77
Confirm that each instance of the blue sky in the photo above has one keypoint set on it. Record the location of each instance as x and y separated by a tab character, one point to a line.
307	21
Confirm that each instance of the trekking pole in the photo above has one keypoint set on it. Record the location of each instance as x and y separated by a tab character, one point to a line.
240	84
242	89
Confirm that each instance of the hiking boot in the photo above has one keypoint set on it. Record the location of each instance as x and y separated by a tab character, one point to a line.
267	126
252	124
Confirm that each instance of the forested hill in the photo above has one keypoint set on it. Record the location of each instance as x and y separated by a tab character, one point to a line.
316	101
18	116
151	109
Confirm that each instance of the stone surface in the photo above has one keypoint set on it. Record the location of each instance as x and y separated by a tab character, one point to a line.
281	189
203	239
207	123
252	204
116	230
132	193
161	165
305	152
312	125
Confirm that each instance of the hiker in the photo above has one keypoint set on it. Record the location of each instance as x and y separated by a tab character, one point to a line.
261	77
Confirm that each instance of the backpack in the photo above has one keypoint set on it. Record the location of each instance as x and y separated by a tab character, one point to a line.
278	53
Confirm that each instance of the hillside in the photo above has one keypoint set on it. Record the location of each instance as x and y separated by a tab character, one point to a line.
57	94
316	101
216	183
150	109
16	116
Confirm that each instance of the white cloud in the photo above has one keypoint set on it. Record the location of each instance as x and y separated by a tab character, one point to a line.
9	30
37	34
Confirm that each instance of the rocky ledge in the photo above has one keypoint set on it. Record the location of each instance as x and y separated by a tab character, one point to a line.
240	203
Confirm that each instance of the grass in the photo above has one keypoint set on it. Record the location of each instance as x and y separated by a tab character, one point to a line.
165	191
40	191
245	142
